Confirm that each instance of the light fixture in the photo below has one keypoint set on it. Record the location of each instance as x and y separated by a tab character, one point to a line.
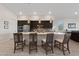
75	12
50	18
29	19
49	12
34	13
39	21
20	13
50	21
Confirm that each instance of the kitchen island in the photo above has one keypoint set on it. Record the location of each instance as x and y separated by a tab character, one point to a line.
42	36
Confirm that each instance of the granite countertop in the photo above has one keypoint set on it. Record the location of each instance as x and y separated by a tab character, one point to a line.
43	32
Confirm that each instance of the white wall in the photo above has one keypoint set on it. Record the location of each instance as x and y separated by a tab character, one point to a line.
66	21
6	15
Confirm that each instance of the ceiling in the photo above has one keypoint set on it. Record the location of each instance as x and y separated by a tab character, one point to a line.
60	10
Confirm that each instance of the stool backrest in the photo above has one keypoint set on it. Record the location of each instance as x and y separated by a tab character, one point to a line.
49	38
33	37
18	37
66	37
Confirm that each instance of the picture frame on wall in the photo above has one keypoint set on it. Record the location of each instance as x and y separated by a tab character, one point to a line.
71	25
5	24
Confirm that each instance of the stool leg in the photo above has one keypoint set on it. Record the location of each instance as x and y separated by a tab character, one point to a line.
29	48
63	49
14	47
68	48
52	48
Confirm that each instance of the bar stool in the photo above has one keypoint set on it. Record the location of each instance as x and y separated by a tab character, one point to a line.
18	41
63	44
32	42
47	44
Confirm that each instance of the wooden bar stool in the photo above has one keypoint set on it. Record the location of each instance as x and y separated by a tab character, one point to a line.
48	43
18	41
60	43
32	42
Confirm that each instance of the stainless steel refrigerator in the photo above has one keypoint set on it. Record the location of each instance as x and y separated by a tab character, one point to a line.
26	28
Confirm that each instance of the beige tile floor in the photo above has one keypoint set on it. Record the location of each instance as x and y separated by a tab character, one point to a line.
6	49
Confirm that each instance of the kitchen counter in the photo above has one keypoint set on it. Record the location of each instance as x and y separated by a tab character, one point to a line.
42	35
39	33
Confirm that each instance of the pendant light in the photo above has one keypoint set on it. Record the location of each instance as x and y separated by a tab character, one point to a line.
29	19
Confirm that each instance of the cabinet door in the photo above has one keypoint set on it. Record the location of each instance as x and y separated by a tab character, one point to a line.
20	28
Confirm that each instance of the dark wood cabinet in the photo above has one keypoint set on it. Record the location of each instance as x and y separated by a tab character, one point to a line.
34	25
20	25
43	24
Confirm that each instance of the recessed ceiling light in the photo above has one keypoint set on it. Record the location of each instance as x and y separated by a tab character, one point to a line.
49	12
35	13
76	13
20	13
